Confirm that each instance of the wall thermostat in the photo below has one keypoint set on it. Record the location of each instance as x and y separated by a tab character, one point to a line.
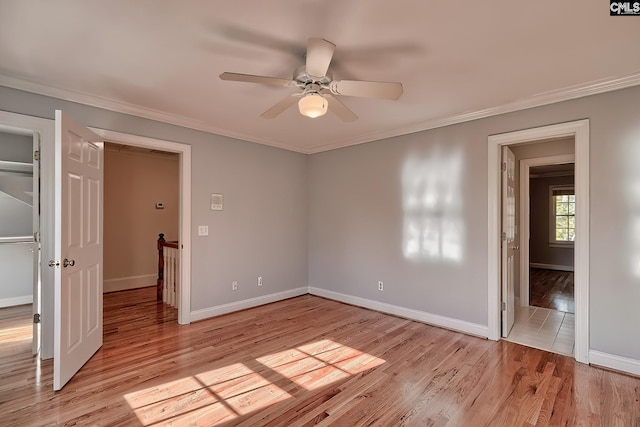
216	202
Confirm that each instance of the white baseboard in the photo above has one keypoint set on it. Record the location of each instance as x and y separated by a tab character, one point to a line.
247	303
420	316
551	266
132	282
10	302
611	361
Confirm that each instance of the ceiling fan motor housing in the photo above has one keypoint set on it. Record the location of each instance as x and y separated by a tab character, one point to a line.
304	78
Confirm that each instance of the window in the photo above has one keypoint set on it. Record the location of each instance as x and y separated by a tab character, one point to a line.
562	225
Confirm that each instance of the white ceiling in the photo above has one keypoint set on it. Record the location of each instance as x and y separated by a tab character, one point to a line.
457	61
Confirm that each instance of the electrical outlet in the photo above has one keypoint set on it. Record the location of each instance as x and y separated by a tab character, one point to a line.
203	230
234	285
380	285
259	280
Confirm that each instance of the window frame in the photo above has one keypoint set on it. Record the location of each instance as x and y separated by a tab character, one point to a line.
553	243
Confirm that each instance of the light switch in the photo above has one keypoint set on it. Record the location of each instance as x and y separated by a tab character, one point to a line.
203	230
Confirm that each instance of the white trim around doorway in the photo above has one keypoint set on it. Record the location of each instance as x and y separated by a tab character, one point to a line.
184	150
580	131
525	230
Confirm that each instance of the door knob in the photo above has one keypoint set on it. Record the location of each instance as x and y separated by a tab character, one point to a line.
68	262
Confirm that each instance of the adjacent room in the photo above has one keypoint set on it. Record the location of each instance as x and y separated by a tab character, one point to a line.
312	212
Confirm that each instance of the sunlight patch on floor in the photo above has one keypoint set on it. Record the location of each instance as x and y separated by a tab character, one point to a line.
318	364
211	397
18	334
223	394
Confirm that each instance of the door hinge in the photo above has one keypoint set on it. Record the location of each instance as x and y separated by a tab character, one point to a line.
36	318
36	155
504	167
504	306
503	236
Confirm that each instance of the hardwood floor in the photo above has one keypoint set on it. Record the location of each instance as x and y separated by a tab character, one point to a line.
301	362
551	289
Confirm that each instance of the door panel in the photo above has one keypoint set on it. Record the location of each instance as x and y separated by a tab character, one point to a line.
508	242
78	278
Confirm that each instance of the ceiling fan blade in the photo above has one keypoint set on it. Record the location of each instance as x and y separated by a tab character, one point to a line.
384	90
248	78
339	109
319	54
281	106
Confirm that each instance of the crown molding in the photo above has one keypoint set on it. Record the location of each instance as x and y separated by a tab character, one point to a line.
134	110
537	100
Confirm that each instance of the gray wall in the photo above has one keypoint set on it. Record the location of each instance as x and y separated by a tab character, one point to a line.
403	211
358	215
363	213
16	148
539	250
16	273
15	216
262	230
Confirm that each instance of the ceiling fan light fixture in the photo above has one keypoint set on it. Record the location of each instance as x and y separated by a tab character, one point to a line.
313	105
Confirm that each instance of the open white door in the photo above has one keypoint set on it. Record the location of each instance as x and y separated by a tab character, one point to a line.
35	208
78	248
508	239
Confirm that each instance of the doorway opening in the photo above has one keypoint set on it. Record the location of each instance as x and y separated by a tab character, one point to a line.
141	202
545	304
183	152
579	130
19	238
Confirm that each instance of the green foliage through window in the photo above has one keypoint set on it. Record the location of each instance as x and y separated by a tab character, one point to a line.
564	214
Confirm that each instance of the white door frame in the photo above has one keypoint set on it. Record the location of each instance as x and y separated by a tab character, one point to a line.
525	224
37	251
44	128
184	236
580	131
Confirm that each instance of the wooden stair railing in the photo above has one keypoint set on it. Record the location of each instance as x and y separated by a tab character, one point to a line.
168	271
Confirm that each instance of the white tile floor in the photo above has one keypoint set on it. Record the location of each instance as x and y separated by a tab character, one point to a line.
545	329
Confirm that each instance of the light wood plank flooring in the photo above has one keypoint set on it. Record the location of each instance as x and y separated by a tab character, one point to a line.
301	362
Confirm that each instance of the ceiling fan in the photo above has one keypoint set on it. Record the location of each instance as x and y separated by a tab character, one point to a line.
318	87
